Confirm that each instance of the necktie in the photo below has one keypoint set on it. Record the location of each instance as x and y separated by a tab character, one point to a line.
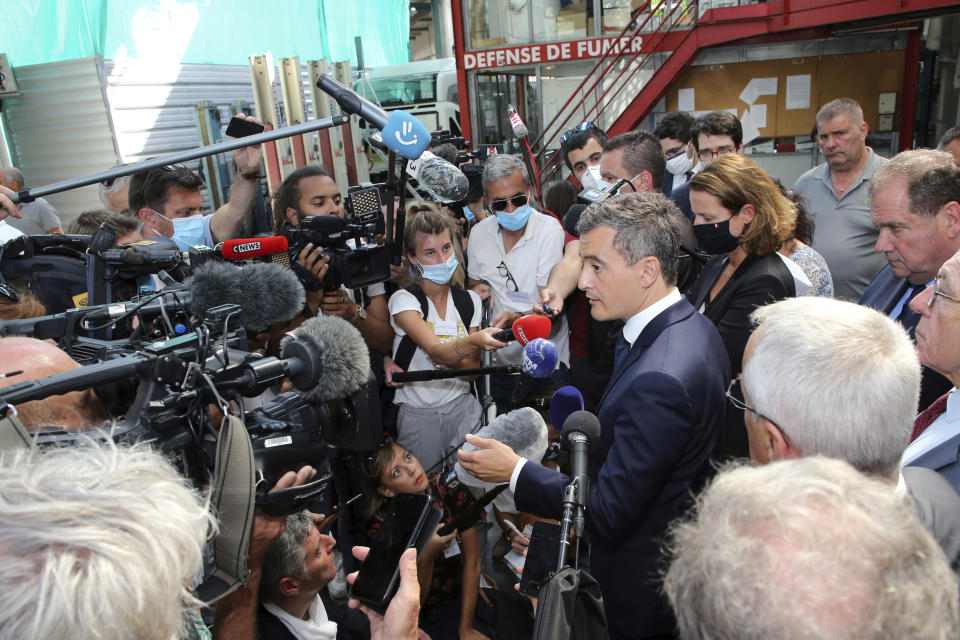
620	353
906	312
931	413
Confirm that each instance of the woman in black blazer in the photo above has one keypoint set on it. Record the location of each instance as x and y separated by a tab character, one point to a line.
741	218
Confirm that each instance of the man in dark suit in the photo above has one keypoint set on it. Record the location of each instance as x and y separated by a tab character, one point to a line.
661	415
915	203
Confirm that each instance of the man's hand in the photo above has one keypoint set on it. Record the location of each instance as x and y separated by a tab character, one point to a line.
7	208
247	159
400	621
266	529
314	261
519	544
337	303
400	274
549	296
493	462
483	290
505	319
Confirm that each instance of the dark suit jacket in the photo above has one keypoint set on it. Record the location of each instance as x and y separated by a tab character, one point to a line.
661	419
944	459
883	294
759	280
667	187
681	196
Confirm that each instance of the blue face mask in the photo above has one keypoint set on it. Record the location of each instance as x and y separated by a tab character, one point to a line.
440	273
516	220
186	231
468	214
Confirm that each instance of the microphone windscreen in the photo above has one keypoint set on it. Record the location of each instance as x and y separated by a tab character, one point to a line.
572	219
406	135
266	293
582	422
339	354
531	327
244	248
564	402
539	358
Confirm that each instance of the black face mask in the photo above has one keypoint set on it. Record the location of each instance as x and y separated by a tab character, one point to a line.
715	238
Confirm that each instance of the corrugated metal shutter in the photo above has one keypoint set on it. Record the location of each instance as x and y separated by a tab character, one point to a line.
60	129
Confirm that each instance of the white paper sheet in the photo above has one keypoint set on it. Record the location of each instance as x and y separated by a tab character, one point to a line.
686	99
798	92
758	113
758	87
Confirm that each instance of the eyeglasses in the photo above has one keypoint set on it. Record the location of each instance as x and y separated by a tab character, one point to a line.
709	154
504	272
583	126
938	292
734	395
518	201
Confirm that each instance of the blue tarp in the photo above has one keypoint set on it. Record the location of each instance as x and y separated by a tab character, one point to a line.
203	31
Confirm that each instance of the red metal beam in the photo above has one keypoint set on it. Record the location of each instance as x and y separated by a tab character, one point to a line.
911	75
456	9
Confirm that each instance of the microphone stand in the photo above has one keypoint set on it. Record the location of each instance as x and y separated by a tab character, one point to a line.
29	195
574	517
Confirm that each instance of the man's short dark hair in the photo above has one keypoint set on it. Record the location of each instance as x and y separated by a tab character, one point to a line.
447	151
579	139
641	152
151	188
675	125
717	123
87	223
948	136
288	195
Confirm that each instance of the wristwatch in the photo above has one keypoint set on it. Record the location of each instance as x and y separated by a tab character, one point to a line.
361	315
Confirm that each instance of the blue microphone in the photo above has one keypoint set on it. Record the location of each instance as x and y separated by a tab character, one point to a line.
564	402
402	132
539	358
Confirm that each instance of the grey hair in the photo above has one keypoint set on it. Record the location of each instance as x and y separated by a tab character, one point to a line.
807	548
286	557
841	107
932	179
644	224
851	386
114	187
948	136
503	166
12	175
97	541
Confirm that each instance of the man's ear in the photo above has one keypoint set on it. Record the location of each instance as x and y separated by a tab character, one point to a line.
289	586
145	214
649	270
777	447
645	178
293	216
950	213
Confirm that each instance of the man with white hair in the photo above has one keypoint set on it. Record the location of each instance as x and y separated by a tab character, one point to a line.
807	548
833	378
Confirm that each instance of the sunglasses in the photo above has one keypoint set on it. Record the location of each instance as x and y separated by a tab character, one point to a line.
583	126
501	205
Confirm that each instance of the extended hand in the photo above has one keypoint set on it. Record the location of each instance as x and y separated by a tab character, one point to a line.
400	621
492	462
484	339
266	528
550	297
247	159
7	208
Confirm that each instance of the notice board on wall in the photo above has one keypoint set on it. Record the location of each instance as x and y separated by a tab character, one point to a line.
861	76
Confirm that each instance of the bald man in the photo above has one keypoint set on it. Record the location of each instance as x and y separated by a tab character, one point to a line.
39	359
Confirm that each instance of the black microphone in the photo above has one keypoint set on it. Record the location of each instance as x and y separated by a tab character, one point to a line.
471	515
578	430
571	219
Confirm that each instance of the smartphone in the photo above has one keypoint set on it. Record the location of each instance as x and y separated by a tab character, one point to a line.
409	523
541	557
240	128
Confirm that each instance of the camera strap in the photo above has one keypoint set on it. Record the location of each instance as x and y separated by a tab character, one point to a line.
461	300
232	499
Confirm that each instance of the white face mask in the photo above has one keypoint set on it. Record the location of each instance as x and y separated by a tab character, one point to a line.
680	163
591	178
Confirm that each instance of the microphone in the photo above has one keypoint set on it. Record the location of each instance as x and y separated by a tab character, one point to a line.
445	374
265	292
523	430
579	430
571	219
539	358
402	133
330	358
471	515
443	181
565	401
246	248
525	329
519	129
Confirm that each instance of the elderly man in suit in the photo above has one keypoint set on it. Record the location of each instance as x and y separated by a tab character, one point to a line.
661	415
849	392
936	433
915	204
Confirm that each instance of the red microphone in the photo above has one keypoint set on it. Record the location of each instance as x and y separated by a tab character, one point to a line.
246	248
526	329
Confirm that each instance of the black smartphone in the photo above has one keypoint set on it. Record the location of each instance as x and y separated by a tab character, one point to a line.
240	128
409	523
541	557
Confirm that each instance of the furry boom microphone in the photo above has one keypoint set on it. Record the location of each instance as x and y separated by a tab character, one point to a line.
334	357
266	293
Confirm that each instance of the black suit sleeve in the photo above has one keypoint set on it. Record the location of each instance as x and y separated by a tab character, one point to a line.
734	325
